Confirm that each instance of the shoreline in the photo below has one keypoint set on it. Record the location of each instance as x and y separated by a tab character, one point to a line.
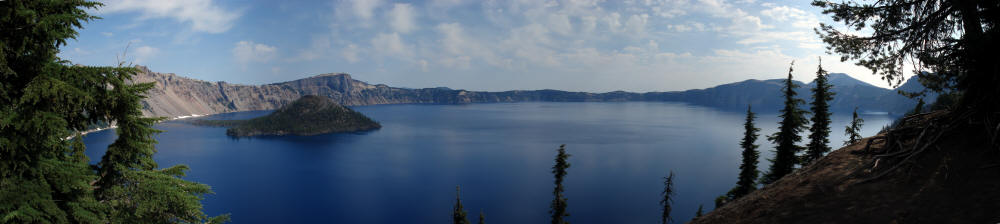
84	133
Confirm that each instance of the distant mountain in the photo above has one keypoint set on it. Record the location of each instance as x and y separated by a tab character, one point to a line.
844	80
175	96
309	115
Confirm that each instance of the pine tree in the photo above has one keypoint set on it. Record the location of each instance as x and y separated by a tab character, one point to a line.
558	206
819	138
668	194
919	108
954	43
853	131
700	211
458	212
482	217
748	169
793	121
43	99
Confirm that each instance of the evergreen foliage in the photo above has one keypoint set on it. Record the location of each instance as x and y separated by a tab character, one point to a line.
793	121
701	210
748	168
919	108
458	212
308	115
853	131
558	206
749	174
952	43
43	99
668	194
482	217
819	138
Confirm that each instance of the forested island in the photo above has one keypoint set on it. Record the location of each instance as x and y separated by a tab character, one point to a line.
309	115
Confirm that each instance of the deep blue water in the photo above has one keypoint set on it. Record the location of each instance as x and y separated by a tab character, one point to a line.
500	154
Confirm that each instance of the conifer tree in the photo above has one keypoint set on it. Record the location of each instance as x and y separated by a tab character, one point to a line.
951	43
819	138
482	217
668	194
919	108
558	206
853	131
43	99
748	169
458	212
700	211
792	122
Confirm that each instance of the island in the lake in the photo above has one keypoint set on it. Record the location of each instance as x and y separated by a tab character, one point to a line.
309	115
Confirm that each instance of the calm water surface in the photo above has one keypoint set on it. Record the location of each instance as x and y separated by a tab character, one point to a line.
501	155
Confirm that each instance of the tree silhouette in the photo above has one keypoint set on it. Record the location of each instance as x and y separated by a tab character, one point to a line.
951	43
558	206
748	168
482	217
458	212
819	138
853	130
701	210
793	121
668	194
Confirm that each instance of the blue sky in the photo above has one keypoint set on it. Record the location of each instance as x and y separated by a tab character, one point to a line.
578	45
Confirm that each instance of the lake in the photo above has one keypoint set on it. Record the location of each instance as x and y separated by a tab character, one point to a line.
500	154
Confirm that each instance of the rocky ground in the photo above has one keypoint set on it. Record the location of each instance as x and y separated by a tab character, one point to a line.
956	180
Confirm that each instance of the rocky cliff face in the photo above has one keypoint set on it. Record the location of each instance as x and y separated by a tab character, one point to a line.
176	96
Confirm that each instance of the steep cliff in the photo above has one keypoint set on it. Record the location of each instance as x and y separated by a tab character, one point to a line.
176	96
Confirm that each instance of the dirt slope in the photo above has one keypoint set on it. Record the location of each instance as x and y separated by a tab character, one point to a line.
954	181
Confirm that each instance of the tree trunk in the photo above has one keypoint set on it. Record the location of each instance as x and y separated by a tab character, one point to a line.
981	82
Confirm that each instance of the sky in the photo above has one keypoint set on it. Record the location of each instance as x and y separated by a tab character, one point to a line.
575	45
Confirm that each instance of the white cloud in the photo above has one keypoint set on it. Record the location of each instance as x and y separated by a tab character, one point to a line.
459	47
447	3
560	24
578	40
391	45
246	52
613	21
588	23
636	24
107	34
144	53
204	15
424	65
318	48
351	53
79	51
799	18
402	18
365	9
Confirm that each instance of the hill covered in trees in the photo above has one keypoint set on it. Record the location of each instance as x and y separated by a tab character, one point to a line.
309	115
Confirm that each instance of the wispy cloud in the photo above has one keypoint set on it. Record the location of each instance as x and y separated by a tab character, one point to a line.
246	52
144	53
402	18
202	15
590	45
